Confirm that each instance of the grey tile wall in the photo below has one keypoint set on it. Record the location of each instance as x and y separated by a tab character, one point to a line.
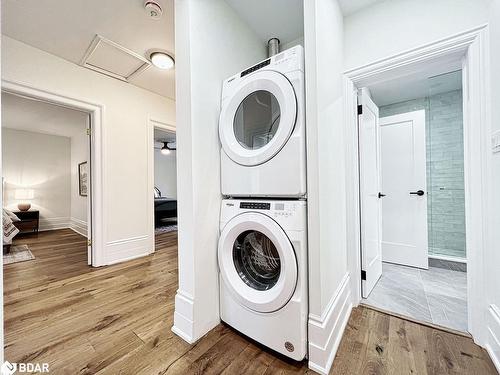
445	169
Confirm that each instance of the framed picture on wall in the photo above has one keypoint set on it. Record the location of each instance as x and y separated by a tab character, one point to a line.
83	180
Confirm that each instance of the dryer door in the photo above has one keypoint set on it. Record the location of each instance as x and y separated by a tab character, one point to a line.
256	122
257	262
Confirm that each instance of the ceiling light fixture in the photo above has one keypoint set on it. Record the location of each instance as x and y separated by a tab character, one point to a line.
162	60
166	149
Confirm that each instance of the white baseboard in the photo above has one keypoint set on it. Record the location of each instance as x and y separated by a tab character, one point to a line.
326	331
79	226
184	316
53	223
493	341
127	249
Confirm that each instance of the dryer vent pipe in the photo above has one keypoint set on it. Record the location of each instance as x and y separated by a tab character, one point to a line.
273	47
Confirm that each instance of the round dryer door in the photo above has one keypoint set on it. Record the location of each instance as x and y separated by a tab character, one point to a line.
257	262
256	122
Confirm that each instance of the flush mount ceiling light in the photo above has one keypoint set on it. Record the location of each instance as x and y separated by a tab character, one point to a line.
162	60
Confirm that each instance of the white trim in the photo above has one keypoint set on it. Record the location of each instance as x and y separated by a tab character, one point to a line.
97	158
53	223
448	258
473	45
326	331
493	345
152	124
79	226
184	316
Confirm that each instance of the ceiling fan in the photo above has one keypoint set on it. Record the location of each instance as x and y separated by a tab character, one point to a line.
167	147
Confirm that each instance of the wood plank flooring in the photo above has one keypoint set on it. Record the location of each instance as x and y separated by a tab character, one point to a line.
117	319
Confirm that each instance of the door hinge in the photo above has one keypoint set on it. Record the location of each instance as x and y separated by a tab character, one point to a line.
89	132
89	242
363	275
360	109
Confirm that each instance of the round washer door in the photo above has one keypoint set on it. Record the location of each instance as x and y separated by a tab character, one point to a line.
257	262
256	122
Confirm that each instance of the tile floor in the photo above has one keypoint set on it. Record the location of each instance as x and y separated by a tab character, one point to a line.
435	295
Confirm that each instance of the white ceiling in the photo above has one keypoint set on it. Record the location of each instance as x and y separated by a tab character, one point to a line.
163	136
283	19
434	79
31	115
66	29
352	6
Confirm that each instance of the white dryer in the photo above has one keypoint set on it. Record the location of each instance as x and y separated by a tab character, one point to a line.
262	129
262	257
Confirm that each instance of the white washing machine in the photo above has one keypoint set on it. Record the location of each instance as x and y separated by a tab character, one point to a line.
262	129
262	259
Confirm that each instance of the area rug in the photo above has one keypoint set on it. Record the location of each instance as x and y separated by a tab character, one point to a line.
18	253
165	229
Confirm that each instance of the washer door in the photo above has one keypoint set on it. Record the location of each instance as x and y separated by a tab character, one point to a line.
257	262
256	122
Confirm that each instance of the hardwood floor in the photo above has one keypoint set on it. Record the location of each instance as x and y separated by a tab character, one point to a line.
117	319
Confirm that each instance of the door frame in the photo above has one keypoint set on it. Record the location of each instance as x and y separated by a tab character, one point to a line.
152	124
96	111
471	48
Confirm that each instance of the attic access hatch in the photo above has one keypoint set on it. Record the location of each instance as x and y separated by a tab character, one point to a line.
110	58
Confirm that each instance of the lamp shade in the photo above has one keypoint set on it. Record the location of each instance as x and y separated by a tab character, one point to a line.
24	194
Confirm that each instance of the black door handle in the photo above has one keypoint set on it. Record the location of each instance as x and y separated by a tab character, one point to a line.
419	193
380	195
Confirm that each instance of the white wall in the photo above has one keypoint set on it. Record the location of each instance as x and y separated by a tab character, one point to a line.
40	162
391	27
216	44
166	173
492	261
125	120
79	154
329	292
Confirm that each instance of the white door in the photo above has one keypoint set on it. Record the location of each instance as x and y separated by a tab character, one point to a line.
258	118
403	175
369	165
257	262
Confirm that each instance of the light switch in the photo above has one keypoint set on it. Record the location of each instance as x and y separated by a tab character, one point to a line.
495	142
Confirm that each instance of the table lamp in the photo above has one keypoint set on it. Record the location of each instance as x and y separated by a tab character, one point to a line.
23	195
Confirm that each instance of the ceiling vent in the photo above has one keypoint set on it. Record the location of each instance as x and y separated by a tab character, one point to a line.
110	58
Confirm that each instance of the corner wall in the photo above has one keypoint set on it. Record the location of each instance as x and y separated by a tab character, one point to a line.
329	280
216	43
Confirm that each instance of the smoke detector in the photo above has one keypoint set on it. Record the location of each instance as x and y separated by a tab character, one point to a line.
153	9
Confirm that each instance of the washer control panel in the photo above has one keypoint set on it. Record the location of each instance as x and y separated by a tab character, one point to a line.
255	205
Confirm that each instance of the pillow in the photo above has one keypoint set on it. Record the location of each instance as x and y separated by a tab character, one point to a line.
12	215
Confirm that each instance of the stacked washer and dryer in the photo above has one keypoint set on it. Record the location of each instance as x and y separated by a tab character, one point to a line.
262	251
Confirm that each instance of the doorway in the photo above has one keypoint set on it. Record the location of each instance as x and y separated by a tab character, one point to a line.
412	157
467	52
85	164
162	180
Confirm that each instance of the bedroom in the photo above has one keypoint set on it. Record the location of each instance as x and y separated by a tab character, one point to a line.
165	179
45	163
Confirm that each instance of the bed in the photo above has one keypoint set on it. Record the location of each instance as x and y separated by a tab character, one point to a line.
165	208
